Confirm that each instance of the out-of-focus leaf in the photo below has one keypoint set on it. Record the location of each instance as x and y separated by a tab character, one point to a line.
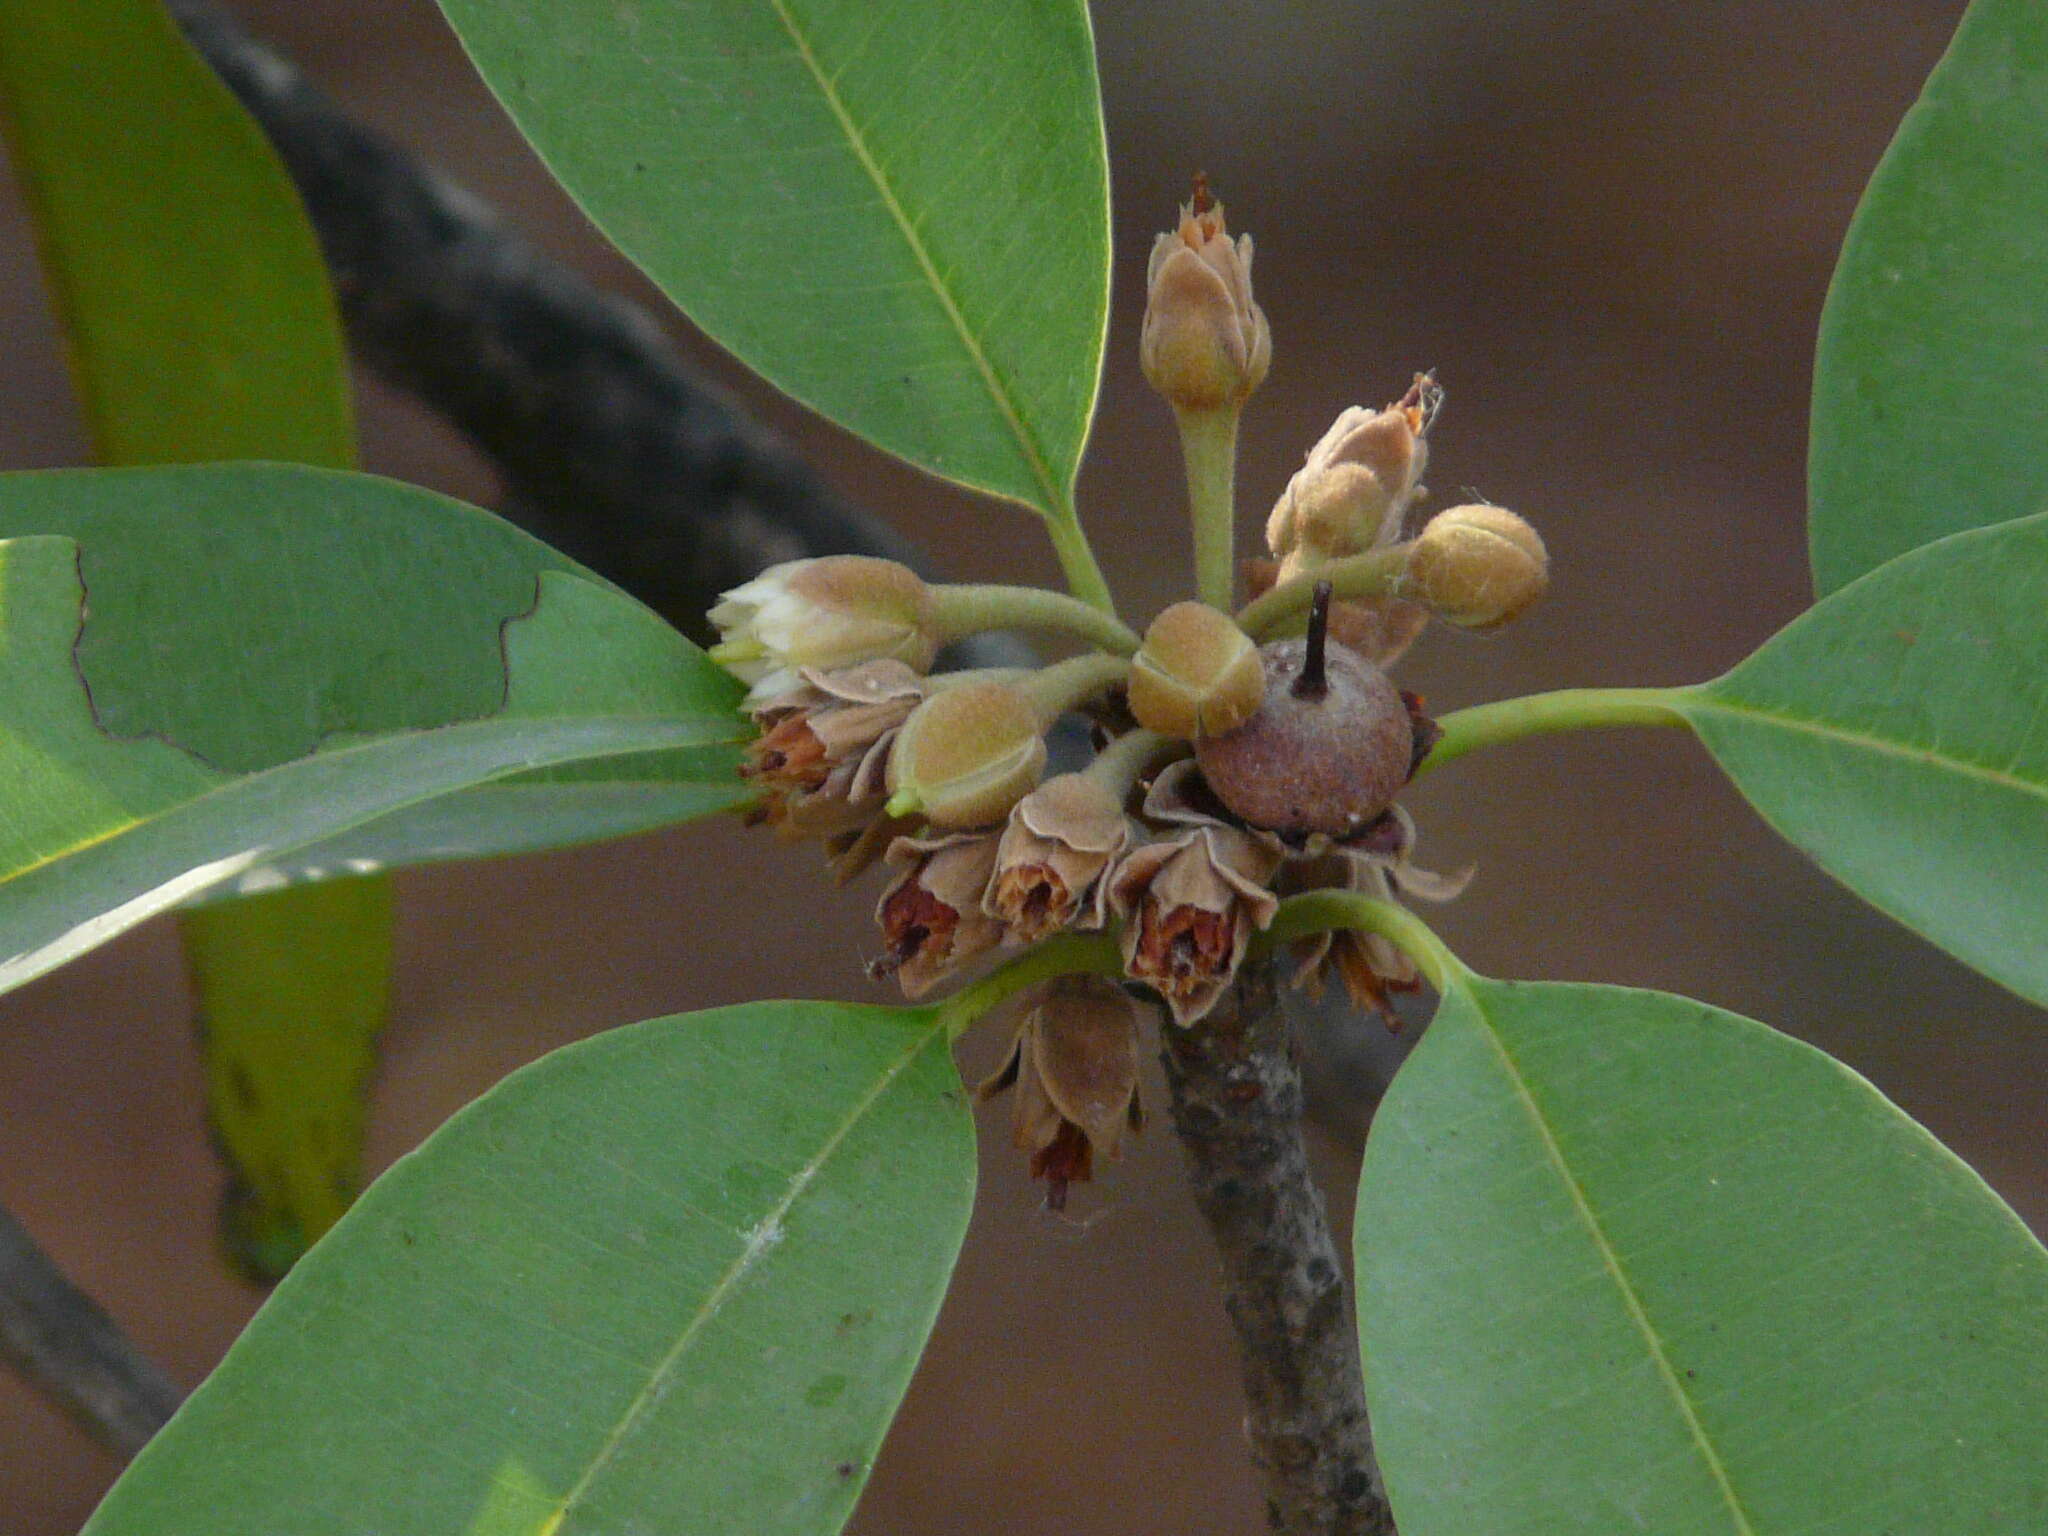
214	668
291	989
1630	1263
674	1277
896	211
1898	733
202	327
200	320
1930	391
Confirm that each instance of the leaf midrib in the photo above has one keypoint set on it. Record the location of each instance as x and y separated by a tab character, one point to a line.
1863	740
750	1254
1027	444
1631	1301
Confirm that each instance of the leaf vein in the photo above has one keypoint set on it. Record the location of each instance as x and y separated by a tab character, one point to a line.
1632	1302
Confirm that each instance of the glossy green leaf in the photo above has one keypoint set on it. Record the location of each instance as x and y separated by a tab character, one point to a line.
1630	1263
671	1278
201	325
1930	395
214	667
896	211
1898	733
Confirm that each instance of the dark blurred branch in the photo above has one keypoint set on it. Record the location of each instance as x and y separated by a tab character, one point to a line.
612	449
56	1337
1237	1104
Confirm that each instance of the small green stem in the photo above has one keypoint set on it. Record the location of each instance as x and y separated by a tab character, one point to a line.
1059	687
1208	445
1077	558
1067	955
1376	573
1544	714
1320	911
968	610
1123	762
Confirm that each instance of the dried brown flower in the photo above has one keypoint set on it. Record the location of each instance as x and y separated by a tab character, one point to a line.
1074	1064
823	753
1060	841
931	915
1191	901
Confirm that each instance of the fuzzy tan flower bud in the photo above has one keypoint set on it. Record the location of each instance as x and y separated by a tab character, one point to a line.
967	755
931	916
1197	674
1205	344
1190	902
1074	1064
1061	840
1477	566
1354	490
832	612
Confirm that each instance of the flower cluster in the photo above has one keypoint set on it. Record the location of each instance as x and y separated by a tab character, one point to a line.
1228	775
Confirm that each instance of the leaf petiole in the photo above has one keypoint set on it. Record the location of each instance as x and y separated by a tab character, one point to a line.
1545	714
1069	954
1321	911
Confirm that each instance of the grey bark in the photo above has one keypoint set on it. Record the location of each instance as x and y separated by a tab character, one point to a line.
1237	1109
60	1341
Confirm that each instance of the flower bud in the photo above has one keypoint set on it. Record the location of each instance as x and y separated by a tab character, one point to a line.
1205	344
1352	493
965	756
826	613
1197	674
1477	566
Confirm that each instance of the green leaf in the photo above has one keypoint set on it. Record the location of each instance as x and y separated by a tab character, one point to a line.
201	326
1930	398
1630	1263
215	667
672	1277
1895	733
896	211
199	316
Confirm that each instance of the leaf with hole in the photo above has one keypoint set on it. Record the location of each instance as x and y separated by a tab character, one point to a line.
1930	394
898	212
1630	1263
1898	733
686	1266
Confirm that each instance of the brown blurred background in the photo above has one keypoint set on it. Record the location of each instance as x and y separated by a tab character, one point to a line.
1609	226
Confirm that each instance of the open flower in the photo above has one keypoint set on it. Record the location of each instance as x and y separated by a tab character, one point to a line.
823	753
1060	841
931	915
832	612
1375	863
1074	1064
1190	902
1205	344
